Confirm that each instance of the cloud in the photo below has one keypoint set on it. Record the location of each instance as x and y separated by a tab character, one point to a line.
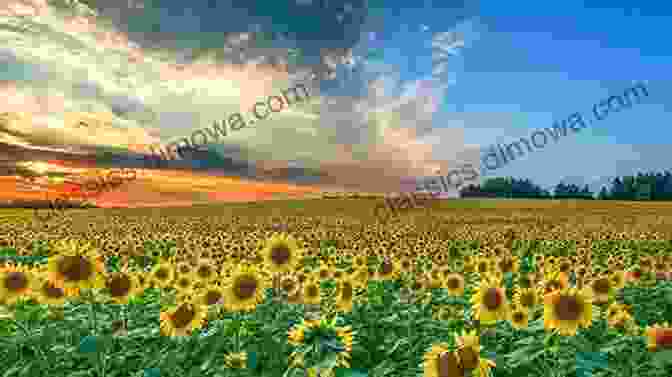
136	88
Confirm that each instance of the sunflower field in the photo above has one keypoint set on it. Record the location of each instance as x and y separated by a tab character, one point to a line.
461	288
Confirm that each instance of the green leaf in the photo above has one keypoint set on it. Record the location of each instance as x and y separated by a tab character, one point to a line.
252	360
329	362
396	345
90	344
152	372
662	357
347	372
81	373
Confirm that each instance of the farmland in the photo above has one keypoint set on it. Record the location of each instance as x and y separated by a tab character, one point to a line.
289	288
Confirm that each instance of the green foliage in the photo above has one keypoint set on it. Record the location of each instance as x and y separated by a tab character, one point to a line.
391	334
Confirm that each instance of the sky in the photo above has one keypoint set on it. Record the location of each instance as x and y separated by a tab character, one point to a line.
397	90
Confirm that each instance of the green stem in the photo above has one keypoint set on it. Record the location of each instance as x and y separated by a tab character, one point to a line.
26	333
237	335
92	318
93	327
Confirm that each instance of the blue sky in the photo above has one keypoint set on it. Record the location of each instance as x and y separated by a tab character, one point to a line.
536	62
379	109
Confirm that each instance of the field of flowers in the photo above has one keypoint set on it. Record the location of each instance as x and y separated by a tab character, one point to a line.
322	288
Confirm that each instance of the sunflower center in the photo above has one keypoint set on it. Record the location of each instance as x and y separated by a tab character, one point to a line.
386	268
664	338
16	281
346	294
468	357
448	365
212	297
568	308
246	287
553	285
204	271
280	254
236	363
182	316
527	300
601	286
51	291
184	269
313	291
288	285
492	299
75	268
324	273
482	267
184	283
162	274
506	265
119	285
518	317
453	283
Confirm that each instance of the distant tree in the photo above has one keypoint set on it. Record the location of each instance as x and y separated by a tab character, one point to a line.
603	195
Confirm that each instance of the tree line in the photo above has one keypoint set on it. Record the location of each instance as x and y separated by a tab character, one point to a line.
643	186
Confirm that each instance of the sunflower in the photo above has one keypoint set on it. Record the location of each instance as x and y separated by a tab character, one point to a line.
296	298
210	295
297	334
281	253
76	266
454	284
345	294
508	263
184	284
468	349
435	277
567	310
489	302
617	279
526	280
162	275
46	293
484	366
325	272
16	283
483	265
440	362
182	320
236	360
244	289
406	264
360	277
388	269
659	337
359	261
519	317
618	316
311	292
205	271
121	286
289	285
183	268
346	337
318	330
526	298
555	281
601	289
